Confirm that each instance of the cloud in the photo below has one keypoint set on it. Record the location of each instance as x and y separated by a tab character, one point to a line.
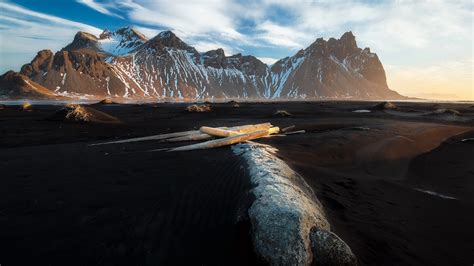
98	7
279	35
30	31
268	60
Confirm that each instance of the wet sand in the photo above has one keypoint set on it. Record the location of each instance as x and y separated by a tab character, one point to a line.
396	185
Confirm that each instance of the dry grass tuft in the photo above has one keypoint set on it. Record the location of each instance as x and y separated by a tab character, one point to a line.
198	108
77	113
282	113
27	107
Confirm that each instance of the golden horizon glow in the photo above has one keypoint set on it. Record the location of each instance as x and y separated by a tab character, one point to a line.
446	81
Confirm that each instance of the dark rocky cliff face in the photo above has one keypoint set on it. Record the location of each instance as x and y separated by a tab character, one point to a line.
124	63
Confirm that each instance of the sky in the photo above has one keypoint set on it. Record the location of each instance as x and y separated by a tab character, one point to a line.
426	47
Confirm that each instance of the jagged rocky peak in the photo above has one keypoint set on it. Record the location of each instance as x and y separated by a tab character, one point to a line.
341	47
43	60
214	58
82	40
167	39
126	33
106	34
345	46
251	65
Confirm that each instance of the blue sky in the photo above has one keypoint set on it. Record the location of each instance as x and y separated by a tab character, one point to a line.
425	46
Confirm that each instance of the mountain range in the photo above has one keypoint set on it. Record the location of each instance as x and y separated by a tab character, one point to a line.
126	64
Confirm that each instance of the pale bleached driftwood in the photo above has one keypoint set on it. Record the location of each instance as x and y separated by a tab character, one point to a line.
191	137
227	132
287	128
227	141
218	132
249	128
295	132
154	137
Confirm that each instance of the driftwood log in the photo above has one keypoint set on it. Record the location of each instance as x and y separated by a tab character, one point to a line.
154	137
228	140
191	135
233	131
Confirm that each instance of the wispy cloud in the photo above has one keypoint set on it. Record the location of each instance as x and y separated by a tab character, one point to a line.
98	7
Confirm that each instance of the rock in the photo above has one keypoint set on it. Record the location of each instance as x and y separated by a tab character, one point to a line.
447	111
234	104
282	113
384	106
284	210
328	249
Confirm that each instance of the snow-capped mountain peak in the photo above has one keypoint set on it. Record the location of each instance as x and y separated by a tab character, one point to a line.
120	42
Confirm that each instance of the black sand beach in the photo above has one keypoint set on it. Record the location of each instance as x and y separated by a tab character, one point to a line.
396	184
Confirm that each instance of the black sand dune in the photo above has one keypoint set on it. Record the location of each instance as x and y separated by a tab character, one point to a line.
66	203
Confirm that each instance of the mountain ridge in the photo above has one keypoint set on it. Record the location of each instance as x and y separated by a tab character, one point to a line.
124	63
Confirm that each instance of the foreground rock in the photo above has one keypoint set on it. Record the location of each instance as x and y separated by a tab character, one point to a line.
284	212
329	250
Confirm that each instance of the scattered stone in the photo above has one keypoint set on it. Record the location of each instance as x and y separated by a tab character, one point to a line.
447	111
198	108
234	104
328	249
107	101
282	113
384	106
